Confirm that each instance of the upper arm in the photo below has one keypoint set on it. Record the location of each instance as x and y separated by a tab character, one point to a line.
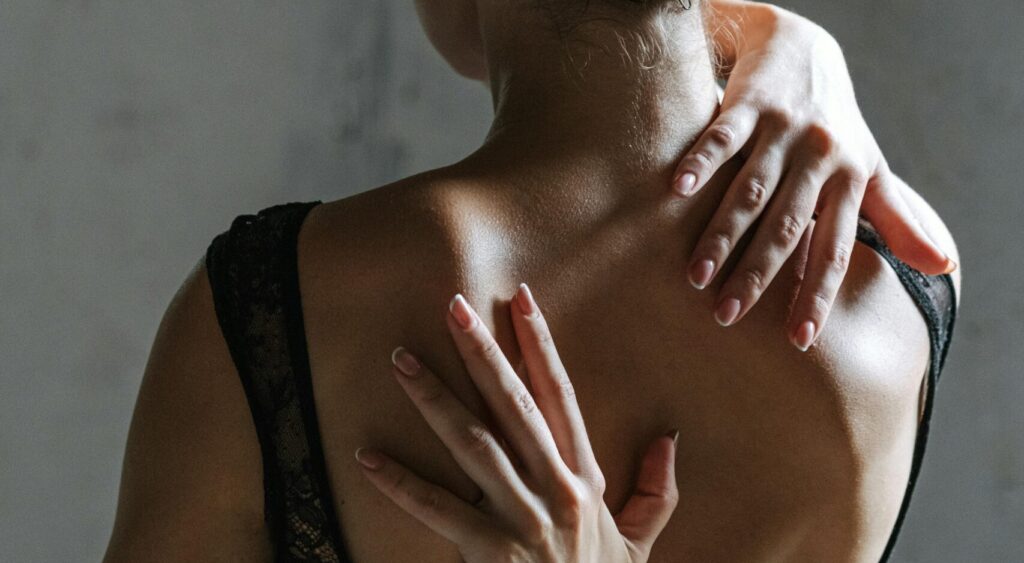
191	483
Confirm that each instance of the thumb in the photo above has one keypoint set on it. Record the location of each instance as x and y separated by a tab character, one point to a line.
654	499
885	208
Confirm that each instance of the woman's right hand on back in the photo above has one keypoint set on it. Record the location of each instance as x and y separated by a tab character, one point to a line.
543	499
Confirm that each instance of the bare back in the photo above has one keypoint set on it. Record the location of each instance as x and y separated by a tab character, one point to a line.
783	455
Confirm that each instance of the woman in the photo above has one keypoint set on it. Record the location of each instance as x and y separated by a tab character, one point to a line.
786	455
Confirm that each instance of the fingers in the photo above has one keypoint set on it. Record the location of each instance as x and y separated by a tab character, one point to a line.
471	443
435	507
655	498
514	407
887	211
777	235
828	260
552	389
720	141
742	205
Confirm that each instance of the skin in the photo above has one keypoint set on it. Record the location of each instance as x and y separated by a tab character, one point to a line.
542	495
809	154
783	455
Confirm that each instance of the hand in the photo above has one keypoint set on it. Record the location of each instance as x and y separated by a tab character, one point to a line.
545	504
789	106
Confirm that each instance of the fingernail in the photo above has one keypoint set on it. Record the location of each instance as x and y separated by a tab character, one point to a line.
684	184
462	312
405	362
804	335
700	273
369	459
951	266
728	311
674	434
525	298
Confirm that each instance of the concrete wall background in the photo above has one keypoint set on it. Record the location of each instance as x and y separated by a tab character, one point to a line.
132	133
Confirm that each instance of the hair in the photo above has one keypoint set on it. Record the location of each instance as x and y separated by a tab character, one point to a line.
569	14
640	46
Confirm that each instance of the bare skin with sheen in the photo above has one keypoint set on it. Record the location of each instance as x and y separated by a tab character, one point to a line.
782	455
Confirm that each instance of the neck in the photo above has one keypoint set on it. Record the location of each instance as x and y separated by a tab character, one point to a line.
604	101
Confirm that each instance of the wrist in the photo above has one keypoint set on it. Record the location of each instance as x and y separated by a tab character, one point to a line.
739	28
759	25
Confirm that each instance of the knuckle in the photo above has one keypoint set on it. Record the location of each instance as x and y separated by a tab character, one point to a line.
429	499
788	229
820	304
753	194
599	484
476	438
488	350
571	506
432	392
878	183
820	139
700	159
721	134
853	183
665	495
856	179
565	387
544	338
838	257
718	242
777	118
397	482
753	279
525	402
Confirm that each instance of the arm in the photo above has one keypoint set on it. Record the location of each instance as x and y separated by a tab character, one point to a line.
191	483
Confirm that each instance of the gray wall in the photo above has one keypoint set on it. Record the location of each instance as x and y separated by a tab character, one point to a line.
132	132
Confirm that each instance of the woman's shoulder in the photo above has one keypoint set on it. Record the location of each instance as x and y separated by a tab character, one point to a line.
192	405
407	232
881	313
191	434
886	313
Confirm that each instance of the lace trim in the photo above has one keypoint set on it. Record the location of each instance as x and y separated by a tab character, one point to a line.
253	272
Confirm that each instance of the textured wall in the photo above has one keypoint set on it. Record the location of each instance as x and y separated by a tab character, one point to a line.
131	133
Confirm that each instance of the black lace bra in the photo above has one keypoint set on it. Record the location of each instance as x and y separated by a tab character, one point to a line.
253	273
